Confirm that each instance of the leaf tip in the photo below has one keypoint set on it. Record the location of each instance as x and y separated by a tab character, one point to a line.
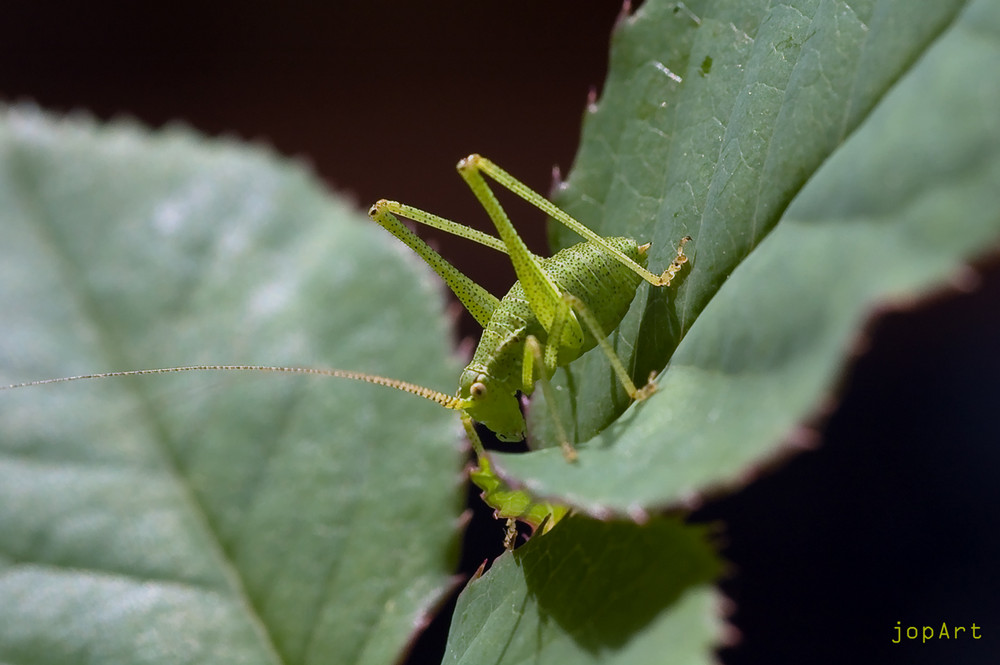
557	180
729	635
479	571
624	13
638	514
692	500
802	438
602	513
462	521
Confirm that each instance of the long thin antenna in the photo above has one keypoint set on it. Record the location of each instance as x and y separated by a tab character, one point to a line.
447	401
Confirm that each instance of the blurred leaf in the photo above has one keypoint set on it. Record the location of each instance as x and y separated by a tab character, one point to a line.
883	114
594	592
238	518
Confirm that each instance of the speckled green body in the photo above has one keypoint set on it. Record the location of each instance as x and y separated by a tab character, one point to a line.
584	270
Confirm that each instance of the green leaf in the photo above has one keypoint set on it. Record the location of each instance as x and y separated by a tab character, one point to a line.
590	592
884	114
206	517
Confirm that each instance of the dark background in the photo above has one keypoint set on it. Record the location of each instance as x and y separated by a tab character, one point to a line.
891	519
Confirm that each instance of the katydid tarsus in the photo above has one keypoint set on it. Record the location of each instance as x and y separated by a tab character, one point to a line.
558	308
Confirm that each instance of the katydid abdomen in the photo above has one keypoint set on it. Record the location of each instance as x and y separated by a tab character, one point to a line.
584	270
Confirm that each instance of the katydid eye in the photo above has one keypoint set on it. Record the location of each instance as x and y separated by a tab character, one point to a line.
478	389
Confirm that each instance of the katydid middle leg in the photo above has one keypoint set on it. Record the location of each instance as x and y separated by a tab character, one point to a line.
541	363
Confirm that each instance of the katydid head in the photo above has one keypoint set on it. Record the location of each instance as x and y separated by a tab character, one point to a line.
489	403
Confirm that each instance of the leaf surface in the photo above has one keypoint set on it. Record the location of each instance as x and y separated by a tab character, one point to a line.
827	158
206	517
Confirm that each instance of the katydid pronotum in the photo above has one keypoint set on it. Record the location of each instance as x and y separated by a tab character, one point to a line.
558	308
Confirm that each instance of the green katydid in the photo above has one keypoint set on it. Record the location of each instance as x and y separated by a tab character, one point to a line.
558	308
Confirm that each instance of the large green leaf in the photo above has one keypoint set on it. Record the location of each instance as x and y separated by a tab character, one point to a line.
238	518
883	113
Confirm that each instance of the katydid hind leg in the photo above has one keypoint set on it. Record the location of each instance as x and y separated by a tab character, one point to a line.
542	292
509	182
